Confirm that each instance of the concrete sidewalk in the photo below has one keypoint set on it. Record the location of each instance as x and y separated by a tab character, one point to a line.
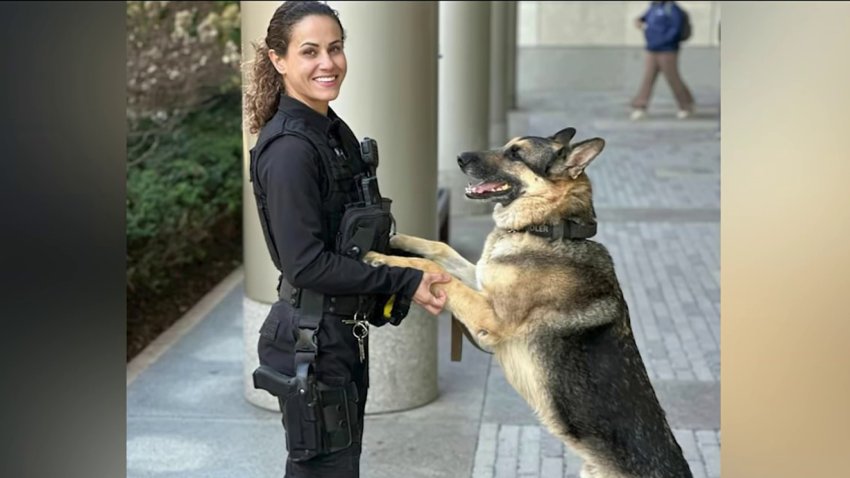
657	195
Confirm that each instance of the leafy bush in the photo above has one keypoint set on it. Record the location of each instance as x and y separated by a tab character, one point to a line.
175	202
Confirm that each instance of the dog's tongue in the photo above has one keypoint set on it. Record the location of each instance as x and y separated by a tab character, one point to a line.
485	187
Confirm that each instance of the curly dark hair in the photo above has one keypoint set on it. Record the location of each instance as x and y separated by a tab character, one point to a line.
265	84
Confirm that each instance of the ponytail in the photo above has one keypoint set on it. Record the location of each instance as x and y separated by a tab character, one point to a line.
264	87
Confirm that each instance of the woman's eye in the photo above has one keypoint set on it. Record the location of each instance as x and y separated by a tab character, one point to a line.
309	52
335	49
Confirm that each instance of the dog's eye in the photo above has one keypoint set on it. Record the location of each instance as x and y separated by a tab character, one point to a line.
513	153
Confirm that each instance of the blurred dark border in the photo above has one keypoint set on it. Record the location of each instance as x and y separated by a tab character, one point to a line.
62	193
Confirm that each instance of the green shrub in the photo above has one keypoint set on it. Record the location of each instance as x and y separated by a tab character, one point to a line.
179	196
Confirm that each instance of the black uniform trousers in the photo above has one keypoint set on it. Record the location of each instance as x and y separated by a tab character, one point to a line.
337	364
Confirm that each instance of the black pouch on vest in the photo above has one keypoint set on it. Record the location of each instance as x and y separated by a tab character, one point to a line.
365	228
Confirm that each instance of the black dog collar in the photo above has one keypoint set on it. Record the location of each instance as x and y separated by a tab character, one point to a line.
561	231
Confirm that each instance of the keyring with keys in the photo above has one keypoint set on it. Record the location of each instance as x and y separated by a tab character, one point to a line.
360	331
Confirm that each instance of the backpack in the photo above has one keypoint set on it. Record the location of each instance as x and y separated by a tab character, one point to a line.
686	25
686	21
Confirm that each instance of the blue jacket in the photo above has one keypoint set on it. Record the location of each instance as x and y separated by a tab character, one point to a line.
663	23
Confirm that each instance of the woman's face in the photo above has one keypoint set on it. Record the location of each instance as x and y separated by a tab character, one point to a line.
314	65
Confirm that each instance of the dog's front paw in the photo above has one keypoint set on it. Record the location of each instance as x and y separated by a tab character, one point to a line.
399	241
406	243
375	258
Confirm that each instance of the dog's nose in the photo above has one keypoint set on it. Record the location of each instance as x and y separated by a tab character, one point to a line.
465	158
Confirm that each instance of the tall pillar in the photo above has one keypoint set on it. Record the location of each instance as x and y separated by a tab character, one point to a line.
498	73
510	55
260	273
464	94
390	94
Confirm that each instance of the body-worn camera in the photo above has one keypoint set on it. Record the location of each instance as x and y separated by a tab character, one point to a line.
369	153
369	182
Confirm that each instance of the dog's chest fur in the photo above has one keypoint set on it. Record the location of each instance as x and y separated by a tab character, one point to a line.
525	275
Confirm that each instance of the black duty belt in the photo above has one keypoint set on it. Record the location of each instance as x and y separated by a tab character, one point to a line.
335	304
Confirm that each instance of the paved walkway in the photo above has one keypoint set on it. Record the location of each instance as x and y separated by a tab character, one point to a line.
657	193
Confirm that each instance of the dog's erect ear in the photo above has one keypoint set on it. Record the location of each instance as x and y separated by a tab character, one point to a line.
581	154
564	136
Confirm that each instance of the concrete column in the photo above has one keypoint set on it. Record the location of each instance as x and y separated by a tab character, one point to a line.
498	73
390	94
260	273
510	54
464	94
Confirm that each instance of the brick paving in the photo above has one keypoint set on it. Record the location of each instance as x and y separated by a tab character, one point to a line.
526	451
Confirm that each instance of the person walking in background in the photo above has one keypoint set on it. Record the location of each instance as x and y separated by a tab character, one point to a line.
663	25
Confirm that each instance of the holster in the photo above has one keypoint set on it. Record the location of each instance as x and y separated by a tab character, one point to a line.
318	418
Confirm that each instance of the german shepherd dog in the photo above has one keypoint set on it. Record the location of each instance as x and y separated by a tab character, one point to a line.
549	306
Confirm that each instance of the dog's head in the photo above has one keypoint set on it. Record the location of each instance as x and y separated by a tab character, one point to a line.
532	171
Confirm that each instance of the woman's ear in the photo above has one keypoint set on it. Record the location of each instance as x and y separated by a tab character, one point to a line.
277	61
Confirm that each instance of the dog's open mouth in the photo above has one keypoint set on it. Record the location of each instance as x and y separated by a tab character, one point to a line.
487	189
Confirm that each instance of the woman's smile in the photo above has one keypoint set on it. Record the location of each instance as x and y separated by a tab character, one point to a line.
326	81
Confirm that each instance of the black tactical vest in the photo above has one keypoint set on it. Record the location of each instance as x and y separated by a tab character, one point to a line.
338	166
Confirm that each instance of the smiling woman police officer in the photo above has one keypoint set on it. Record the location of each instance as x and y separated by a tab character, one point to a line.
306	169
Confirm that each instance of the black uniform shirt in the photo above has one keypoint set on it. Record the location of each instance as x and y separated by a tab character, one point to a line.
289	172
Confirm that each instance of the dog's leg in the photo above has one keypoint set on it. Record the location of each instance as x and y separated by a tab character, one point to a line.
588	471
591	470
439	252
469	306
